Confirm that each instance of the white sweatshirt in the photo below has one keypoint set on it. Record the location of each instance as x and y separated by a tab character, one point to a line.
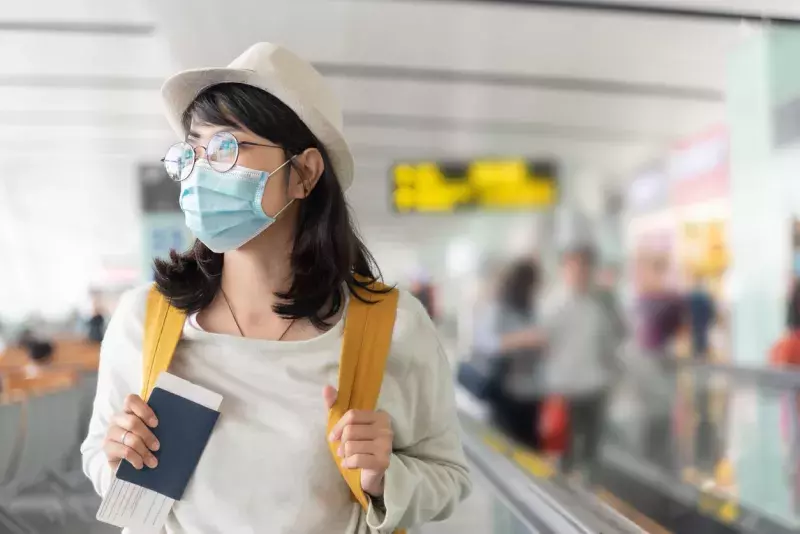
267	467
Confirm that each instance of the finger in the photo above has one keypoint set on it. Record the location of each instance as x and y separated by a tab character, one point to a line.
116	451
135	425
353	417
131	440
352	448
135	405
329	394
360	433
369	462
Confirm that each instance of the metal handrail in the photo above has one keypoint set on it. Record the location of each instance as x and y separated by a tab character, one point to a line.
541	505
773	377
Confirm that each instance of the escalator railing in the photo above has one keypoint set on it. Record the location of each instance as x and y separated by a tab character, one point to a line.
718	453
516	492
726	461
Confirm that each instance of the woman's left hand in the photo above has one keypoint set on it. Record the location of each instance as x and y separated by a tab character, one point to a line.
366	443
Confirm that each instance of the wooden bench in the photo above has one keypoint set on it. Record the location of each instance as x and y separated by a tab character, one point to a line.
70	359
74	354
18	385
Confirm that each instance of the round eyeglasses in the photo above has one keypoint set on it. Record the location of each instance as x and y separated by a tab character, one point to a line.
222	153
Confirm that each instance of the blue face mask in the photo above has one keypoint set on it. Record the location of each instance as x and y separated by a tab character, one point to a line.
223	209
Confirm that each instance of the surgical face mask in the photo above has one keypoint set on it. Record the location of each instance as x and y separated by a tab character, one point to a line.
223	209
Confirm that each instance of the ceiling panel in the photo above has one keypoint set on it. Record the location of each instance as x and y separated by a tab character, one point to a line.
135	12
31	54
417	79
766	8
645	117
459	36
453	77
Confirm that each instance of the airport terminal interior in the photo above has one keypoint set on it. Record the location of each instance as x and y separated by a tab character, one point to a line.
596	202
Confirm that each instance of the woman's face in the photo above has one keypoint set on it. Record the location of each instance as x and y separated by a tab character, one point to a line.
278	192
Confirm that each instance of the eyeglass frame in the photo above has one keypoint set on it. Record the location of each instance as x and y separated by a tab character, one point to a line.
205	153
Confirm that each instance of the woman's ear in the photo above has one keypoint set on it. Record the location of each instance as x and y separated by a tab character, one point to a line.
308	168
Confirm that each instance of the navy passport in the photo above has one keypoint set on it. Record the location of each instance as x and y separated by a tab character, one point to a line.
183	431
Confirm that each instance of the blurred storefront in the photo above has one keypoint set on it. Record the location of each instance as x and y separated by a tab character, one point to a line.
678	212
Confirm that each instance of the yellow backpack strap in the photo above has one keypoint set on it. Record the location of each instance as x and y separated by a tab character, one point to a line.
367	338
163	324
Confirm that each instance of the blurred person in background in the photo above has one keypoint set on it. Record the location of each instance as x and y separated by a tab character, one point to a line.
422	289
702	315
606	287
786	354
265	288
661	317
96	325
580	360
660	310
39	352
504	335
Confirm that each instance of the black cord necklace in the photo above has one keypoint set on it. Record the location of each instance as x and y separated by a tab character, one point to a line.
241	332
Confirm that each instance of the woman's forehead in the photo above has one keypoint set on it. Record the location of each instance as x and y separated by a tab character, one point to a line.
199	129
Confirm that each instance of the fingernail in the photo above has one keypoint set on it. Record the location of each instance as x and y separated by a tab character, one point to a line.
330	437
152	462
340	452
156	446
153	422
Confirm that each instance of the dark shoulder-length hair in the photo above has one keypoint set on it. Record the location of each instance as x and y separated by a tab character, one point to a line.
327	253
519	285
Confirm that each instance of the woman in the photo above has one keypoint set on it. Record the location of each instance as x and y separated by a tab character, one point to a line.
661	316
581	357
505	333
786	351
265	288
786	355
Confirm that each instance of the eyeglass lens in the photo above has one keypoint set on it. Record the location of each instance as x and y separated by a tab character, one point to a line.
221	154
179	161
222	151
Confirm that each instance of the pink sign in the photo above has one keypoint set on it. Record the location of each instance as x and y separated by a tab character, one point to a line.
699	168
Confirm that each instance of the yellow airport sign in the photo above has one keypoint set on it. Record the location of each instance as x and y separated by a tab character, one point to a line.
437	187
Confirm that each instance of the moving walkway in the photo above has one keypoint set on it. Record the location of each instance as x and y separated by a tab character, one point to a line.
728	463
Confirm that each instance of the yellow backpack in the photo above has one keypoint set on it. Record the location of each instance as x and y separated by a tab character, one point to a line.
367	338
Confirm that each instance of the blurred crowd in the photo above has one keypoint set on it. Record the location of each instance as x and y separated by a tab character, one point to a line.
551	351
37	338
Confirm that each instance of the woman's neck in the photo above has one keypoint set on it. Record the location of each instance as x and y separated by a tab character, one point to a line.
252	274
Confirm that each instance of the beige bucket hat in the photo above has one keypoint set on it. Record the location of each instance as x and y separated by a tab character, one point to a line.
286	76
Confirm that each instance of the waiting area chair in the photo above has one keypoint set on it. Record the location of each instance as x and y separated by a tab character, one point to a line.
40	432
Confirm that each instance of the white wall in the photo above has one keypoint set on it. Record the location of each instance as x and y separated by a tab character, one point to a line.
63	224
78	111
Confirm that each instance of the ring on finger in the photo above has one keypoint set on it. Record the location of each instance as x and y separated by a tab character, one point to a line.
124	435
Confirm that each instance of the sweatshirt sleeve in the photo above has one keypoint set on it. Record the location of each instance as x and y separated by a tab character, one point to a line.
118	376
428	474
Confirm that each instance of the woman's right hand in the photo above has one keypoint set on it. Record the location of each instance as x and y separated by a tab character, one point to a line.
129	436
